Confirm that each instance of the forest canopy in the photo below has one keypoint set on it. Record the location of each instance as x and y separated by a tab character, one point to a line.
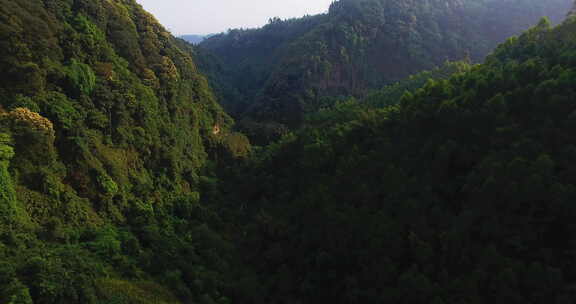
385	169
277	74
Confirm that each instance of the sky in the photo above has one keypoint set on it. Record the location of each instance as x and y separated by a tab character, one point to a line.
214	16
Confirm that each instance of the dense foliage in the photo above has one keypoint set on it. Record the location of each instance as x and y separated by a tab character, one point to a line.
121	180
461	193
105	131
277	73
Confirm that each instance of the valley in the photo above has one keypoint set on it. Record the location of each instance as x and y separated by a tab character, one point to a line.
387	151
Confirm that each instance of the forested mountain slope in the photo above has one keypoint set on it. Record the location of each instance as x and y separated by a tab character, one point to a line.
462	193
284	69
106	127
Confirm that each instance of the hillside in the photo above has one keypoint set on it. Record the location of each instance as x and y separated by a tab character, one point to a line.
281	71
461	193
106	130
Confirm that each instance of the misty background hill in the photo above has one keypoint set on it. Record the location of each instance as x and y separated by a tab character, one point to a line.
194	39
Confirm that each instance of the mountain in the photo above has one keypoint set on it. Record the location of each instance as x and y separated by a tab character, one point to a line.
107	130
285	69
460	193
193	39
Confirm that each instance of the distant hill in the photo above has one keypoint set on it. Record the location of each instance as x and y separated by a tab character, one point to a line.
194	39
285	69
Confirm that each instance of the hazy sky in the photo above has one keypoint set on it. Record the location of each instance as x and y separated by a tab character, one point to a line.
215	16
